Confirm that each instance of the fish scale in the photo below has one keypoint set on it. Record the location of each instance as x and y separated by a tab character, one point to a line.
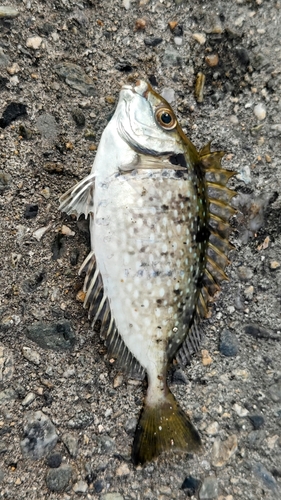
159	227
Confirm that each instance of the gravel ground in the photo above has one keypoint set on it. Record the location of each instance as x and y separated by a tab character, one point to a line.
67	416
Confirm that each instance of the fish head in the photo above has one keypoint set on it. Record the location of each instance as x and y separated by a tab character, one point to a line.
146	121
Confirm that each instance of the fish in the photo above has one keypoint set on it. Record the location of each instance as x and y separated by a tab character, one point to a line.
159	215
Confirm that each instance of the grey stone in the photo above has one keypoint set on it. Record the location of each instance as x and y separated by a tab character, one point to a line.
80	487
266	477
29	398
5	181
47	126
79	117
8	11
7	395
39	437
223	450
71	443
56	336
58	479
3	447
112	496
107	444
228	344
209	489
74	76
4	60
83	420
275	392
31	355
171	57
2	475
130	426
6	363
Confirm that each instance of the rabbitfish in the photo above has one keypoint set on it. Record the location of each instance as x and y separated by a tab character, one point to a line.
159	214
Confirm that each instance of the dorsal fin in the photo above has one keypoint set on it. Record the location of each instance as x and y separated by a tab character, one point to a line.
99	309
220	210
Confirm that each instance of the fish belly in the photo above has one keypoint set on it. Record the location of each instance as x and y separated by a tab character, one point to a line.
143	238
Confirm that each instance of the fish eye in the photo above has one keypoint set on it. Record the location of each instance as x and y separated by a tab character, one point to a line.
166	118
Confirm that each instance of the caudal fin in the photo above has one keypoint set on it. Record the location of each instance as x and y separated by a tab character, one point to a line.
161	428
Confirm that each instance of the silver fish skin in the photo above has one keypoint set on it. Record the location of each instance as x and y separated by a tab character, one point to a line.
149	223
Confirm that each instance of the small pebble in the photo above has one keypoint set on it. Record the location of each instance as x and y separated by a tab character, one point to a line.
29	398
228	344
222	451
67	231
212	429
12	70
274	264
79	117
34	42
122	470
275	392
140	24
71	443
199	37
80	487
260	111
58	479
206	358
31	355
190	485
244	273
209	489
39	233
249	292
257	421
112	496
241	412
152	41
54	460
118	380
212	60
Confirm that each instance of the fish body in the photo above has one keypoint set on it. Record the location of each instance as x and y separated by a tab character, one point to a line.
150	223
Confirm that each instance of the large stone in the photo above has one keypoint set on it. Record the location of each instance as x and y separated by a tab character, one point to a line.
56	336
39	437
58	479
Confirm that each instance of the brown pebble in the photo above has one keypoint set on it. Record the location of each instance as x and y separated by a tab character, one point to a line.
206	358
110	99
92	147
53	168
267	158
80	296
212	60
199	87
274	264
69	145
140	24
172	25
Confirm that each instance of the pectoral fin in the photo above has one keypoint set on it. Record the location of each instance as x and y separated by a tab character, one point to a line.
80	198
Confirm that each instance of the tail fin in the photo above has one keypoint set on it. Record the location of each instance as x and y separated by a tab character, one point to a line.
162	428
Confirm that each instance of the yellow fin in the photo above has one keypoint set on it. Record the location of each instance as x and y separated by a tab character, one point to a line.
162	428
219	198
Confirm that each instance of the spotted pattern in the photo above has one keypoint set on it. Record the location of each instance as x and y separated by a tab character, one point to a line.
156	236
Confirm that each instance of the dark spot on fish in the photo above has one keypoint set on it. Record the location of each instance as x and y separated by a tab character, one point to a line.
179	173
160	328
177	292
142	250
199	281
150	198
158	342
178	159
165	207
164	253
159	301
203	234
